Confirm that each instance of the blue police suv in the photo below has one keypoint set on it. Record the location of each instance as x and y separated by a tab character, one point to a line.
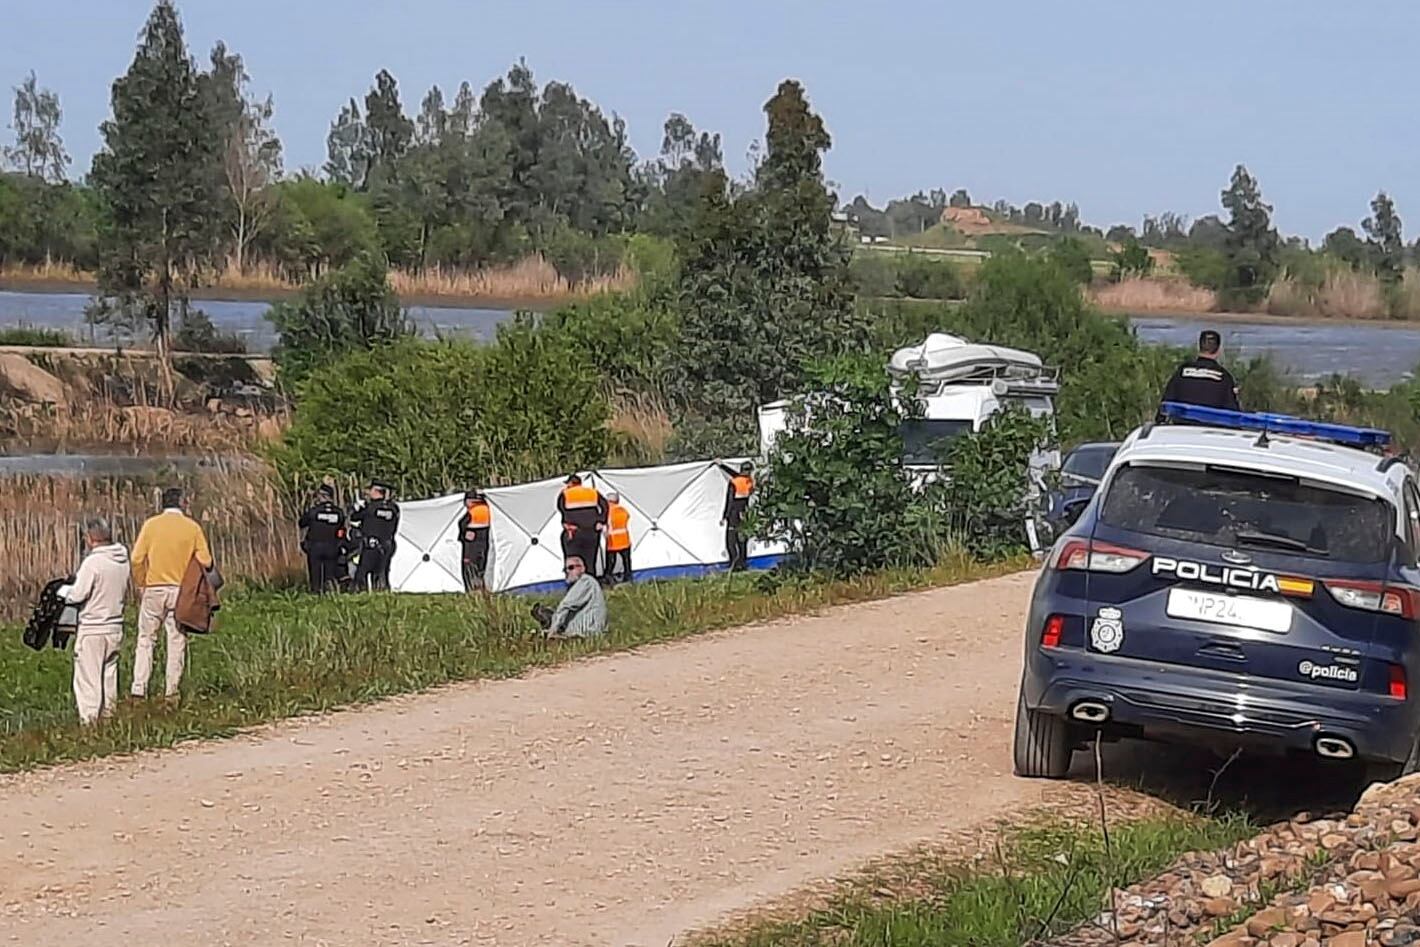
1236	580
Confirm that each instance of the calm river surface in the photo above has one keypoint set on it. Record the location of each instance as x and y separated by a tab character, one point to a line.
247	319
1379	355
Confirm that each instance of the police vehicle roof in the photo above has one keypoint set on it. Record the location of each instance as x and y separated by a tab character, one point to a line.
1284	455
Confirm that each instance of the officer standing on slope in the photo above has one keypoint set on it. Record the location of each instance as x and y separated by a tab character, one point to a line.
737	496
584	513
475	530
1203	381
323	540
378	523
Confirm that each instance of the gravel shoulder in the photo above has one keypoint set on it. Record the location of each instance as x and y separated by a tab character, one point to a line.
621	800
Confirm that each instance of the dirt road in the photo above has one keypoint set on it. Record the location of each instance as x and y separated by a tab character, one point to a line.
617	801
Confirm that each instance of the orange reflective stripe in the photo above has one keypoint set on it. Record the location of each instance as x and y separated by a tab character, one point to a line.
618	534
579	497
479	515
744	486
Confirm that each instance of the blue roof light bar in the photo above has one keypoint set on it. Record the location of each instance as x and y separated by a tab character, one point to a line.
1276	424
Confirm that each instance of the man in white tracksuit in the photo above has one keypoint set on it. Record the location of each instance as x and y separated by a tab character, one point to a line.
99	590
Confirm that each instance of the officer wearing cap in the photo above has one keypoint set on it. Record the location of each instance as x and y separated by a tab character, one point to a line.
1203	381
475	529
323	540
378	522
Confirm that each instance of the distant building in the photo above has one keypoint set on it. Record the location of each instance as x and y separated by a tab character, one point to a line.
965	218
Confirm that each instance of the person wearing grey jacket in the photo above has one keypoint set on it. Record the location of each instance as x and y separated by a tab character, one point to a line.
99	589
582	611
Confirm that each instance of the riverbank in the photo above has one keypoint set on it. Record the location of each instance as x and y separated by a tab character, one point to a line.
1258	318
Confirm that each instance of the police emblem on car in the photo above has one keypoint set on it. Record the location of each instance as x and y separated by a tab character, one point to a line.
1232	577
1107	632
1329	672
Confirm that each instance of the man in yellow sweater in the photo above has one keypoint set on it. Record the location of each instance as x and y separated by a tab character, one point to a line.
166	544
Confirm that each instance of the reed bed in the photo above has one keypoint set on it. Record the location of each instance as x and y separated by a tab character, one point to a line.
530	279
1143	294
641	430
1343	293
247	519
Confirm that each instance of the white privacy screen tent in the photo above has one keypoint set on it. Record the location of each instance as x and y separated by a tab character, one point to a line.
675	530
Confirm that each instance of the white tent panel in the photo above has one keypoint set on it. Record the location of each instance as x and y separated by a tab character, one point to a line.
527	535
675	523
427	557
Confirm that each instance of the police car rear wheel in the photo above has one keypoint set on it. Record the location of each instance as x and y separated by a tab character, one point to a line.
1043	747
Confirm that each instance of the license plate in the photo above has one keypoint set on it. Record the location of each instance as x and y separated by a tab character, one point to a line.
1236	610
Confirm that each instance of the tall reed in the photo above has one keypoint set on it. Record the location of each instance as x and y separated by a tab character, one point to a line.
1153	294
245	515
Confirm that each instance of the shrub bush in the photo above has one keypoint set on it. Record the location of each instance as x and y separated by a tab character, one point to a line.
837	492
436	417
349	309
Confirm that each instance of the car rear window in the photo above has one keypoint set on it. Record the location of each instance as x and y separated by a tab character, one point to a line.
1236	508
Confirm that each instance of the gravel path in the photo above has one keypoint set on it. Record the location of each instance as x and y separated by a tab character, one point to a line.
621	800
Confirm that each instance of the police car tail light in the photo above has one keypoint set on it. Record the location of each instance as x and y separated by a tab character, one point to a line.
1374	597
1088	556
1054	629
1398	687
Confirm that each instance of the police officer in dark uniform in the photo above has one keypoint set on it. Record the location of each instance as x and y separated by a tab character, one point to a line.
378	523
1203	381
584	511
737	496
475	529
323	540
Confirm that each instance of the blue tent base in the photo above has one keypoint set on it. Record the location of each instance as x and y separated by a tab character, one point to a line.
758	563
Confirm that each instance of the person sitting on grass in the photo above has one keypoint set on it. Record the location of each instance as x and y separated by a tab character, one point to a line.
582	611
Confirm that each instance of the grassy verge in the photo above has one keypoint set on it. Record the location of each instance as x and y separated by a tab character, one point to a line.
1043	880
282	654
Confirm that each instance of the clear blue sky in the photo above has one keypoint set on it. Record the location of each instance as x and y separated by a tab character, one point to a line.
1124	107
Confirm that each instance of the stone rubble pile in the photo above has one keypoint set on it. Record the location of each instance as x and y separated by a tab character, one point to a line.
1352	880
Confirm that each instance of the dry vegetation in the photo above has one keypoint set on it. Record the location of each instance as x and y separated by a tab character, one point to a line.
529	279
241	508
1154	295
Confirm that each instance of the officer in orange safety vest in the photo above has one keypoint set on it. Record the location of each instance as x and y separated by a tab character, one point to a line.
475	530
618	539
583	512
737	496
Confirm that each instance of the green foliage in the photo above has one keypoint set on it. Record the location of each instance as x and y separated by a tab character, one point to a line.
350	309
1387	245
986	493
838	493
1252	244
1131	260
196	333
318	225
1046	880
434	417
157	176
836	490
1204	266
42	222
35	336
38	151
874	275
1072	256
764	284
921	278
628	338
1343	244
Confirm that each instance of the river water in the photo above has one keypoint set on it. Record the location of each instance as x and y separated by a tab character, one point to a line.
1378	354
247	319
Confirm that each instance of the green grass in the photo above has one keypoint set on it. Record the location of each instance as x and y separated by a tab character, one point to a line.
33	336
278	654
1048	879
